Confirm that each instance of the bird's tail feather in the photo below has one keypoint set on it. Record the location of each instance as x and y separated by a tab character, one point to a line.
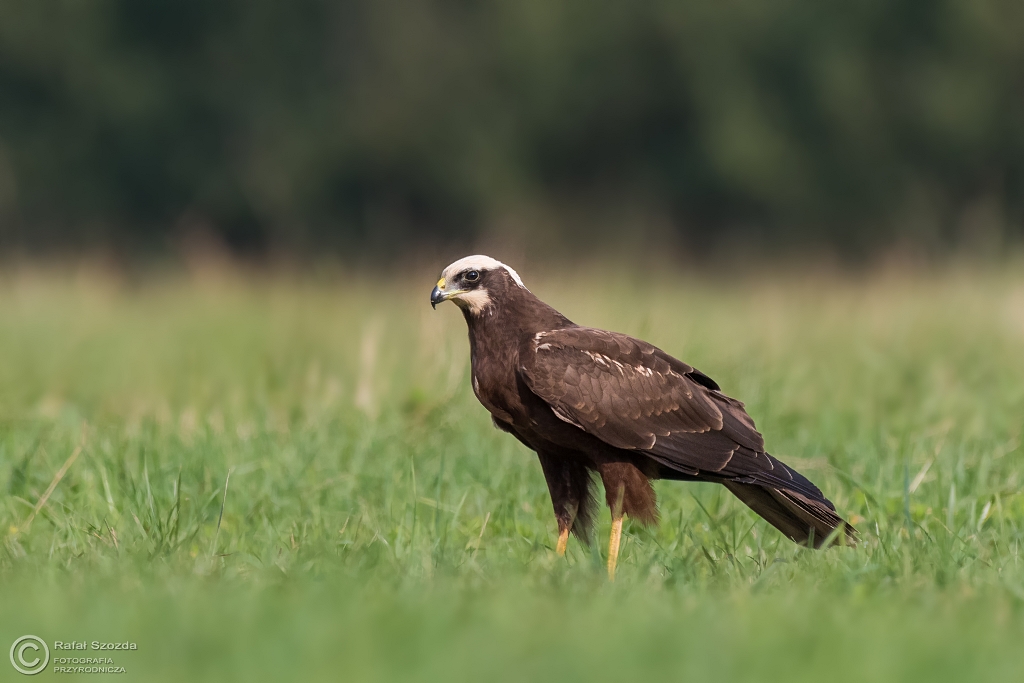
794	514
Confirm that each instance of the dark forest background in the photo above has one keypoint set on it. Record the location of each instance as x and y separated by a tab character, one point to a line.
313	127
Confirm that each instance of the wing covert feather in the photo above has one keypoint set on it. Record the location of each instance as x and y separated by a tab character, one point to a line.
634	396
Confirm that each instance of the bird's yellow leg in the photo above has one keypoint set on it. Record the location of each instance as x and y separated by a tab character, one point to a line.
563	534
563	540
616	537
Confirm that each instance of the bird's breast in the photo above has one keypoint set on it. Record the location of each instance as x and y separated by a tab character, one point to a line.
491	396
494	356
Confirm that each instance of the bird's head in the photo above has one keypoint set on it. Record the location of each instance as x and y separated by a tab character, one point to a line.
475	283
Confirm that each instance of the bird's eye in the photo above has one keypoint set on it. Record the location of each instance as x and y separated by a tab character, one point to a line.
472	276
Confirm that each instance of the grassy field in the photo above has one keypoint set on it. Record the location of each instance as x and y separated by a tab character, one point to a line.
283	478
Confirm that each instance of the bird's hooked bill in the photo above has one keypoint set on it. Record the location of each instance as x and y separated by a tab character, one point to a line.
441	293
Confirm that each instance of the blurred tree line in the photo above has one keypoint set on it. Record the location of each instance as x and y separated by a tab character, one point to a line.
360	124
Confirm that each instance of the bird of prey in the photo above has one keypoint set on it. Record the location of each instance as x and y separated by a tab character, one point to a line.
591	401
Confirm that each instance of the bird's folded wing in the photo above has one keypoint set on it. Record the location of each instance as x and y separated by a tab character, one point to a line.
632	395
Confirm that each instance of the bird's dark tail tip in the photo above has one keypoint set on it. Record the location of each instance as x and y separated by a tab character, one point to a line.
802	519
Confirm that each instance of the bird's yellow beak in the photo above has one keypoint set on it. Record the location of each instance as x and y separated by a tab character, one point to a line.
441	294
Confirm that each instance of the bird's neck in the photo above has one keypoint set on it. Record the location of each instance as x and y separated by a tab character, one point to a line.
496	335
511	318
497	332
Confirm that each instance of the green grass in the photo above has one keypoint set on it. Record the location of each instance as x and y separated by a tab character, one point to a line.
288	478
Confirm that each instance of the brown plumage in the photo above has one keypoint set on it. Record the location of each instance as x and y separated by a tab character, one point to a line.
588	400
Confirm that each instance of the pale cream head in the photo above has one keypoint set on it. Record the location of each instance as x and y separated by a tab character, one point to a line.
479	262
454	285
